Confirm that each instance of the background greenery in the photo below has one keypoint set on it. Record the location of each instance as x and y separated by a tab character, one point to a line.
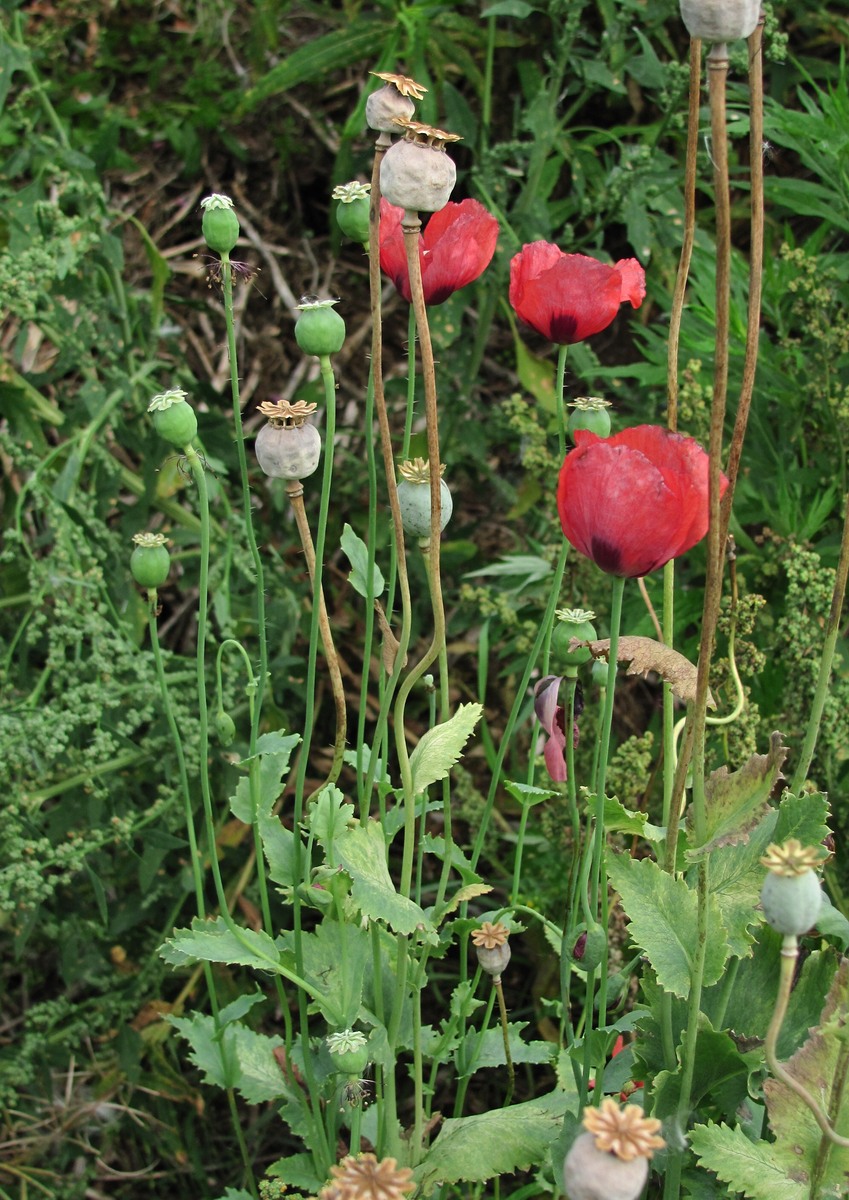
114	121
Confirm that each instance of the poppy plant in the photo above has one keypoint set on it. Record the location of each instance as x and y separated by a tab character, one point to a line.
456	247
569	297
633	501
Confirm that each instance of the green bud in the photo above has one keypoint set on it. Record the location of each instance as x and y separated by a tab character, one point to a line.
150	562
319	329
601	672
225	728
348	1052
173	419
220	224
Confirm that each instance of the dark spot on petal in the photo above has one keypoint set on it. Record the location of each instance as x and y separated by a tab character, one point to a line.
608	557
563	326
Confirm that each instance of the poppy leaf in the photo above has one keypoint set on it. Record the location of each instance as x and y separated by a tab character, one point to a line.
644	654
441	746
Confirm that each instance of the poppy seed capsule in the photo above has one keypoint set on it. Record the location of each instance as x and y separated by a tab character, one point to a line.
173	419
220	224
720	20
352	211
319	329
150	561
593	1174
791	896
394	99
571	623
416	174
414	498
288	447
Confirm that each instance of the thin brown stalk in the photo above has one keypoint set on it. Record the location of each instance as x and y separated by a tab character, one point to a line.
678	294
756	252
295	492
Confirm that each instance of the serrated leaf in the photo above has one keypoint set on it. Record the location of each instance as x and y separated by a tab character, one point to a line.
644	654
804	817
362	852
279	742
212	941
487	1049
358	556
239	1058
298	1170
237	1008
736	803
278	842
463	894
619	819
663	913
497	1142
820	1067
273	751
335	958
748	1167
440	748
329	817
526	795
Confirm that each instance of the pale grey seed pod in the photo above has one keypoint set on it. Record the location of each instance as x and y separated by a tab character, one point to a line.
593	1174
288	447
720	20
395	99
416	174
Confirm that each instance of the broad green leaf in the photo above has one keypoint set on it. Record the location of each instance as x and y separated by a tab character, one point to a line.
736	803
278	842
212	941
494	1143
748	1167
329	817
335	958
619	819
279	743
804	817
470	892
718	1064
357	552
433	844
237	1008
663	913
240	1058
487	1049
298	1170
273	751
820	1067
441	747
362	852
736	878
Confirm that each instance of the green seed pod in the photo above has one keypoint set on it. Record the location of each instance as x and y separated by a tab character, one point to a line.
352	211
601	672
414	498
319	329
591	413
348	1052
150	562
791	896
225	728
571	623
220	224
173	419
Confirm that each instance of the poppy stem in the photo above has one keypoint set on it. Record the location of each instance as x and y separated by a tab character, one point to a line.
558	400
678	294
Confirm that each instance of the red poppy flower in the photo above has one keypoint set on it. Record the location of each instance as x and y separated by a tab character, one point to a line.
552	717
633	501
456	247
569	297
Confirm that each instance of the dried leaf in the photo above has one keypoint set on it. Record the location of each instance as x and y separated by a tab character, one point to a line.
644	654
389	646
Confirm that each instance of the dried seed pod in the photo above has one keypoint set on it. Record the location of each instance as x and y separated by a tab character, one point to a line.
416	174
720	20
394	99
288	447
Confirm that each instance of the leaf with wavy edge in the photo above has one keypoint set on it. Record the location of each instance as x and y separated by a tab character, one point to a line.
644	654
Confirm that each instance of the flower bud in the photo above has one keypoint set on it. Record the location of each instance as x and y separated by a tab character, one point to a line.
319	329
173	419
791	896
590	948
416	174
150	562
288	447
414	498
720	20
225	728
220	224
352	211
571	623
590	412
601	672
393	100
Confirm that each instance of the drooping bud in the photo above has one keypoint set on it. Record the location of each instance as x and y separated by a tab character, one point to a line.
150	562
353	209
791	896
720	20
319	329
416	174
590	412
414	498
394	99
225	728
220	224
288	447
173	419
